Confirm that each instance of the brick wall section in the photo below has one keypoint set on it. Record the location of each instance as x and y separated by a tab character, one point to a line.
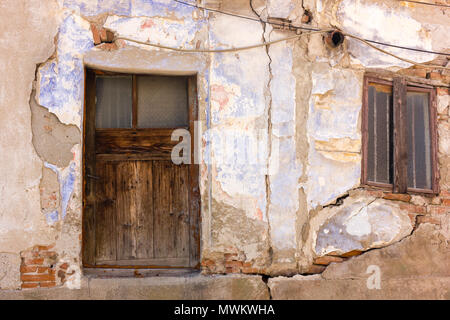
38	268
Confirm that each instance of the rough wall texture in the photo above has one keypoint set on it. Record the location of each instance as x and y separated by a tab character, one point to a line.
288	199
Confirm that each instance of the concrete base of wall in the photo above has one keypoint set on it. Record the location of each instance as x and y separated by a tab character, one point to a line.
237	287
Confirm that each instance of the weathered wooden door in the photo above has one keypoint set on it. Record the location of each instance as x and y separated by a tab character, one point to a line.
140	209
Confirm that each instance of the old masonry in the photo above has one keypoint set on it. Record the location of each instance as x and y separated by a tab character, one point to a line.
312	138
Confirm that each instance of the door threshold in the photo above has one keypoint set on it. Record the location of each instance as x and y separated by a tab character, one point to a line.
138	272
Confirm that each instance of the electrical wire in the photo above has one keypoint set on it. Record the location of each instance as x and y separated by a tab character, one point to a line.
307	28
427	3
263	44
273	42
395	56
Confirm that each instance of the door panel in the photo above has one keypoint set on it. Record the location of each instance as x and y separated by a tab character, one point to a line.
140	209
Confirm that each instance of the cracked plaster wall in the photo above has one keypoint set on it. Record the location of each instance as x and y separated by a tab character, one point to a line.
300	98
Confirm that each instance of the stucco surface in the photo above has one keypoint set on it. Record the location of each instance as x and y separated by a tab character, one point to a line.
280	139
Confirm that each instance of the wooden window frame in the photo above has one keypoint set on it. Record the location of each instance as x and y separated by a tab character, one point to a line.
400	87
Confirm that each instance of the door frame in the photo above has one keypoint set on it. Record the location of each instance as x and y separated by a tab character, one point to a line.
88	220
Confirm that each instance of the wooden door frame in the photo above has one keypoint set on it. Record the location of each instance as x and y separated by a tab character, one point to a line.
194	189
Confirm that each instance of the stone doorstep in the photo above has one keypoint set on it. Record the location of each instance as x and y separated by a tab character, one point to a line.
188	287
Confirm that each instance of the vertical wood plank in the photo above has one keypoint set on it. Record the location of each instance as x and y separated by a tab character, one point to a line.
144	210
164	231
180	200
400	137
126	210
88	219
194	190
105	227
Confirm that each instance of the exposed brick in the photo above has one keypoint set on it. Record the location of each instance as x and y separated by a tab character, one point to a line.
397	196
375	193
28	269
64	266
43	270
438	210
47	284
442	91
207	263
435	76
428	219
326	260
250	270
413	208
422	73
233	264
96	34
446	202
37	261
230	256
44	248
351	253
37	277
29	285
314	269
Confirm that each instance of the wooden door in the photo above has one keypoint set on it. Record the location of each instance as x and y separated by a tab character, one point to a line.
140	209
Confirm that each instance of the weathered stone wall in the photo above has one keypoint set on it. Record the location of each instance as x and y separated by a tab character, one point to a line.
292	207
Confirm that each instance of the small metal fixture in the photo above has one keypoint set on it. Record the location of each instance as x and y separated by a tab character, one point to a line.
334	38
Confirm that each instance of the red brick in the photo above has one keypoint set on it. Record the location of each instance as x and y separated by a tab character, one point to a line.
435	76
375	193
428	219
37	261
207	263
29	285
43	270
230	256
47	284
445	193
95	34
64	266
438	210
422	73
250	270
442	91
326	260
37	277
27	269
233	263
314	269
397	196
446	202
413	208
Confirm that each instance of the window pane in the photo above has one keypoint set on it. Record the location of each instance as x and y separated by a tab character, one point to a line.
162	102
419	145
380	135
114	102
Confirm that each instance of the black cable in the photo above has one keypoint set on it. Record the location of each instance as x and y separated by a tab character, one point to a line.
309	29
244	17
428	4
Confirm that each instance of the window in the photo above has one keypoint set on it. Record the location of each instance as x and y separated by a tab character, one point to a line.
141	101
399	136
